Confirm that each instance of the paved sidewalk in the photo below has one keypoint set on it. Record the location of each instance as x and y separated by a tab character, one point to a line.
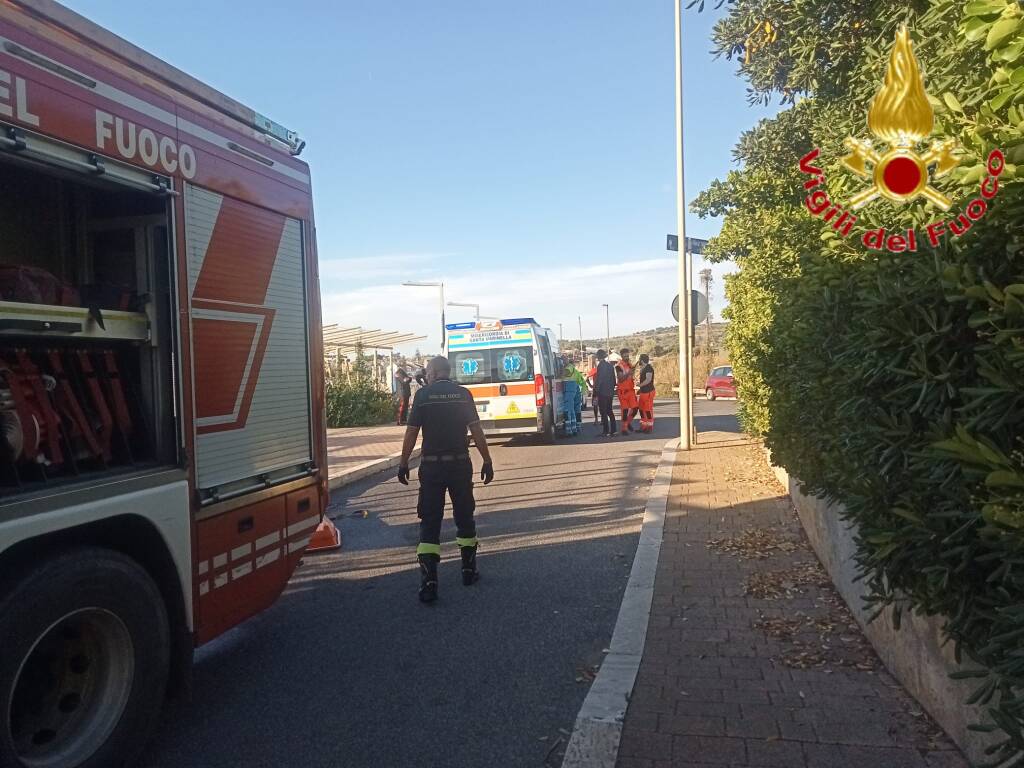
751	657
351	449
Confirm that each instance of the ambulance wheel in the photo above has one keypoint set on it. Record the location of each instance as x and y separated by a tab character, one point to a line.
709	394
548	435
84	668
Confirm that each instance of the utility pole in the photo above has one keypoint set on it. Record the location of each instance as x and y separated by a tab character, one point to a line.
579	319
559	334
685	324
476	307
607	330
705	281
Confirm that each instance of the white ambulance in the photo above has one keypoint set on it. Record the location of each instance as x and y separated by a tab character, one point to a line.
513	369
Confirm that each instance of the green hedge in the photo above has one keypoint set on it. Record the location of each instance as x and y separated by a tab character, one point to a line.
892	383
357	404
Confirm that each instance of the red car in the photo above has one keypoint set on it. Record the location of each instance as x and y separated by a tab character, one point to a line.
720	383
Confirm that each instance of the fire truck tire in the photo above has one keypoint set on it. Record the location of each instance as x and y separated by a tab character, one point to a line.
83	672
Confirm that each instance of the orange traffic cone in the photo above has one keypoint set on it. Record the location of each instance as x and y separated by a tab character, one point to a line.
325	537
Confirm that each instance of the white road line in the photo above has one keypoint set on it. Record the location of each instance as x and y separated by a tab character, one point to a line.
595	738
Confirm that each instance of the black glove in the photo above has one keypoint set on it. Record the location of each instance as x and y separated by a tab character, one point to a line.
403	474
487	472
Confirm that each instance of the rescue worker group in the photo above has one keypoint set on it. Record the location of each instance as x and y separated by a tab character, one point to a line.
445	411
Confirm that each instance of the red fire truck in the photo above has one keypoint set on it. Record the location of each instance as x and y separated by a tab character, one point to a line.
162	451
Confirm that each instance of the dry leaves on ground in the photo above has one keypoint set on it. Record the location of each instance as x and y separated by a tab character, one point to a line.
754	471
786	583
816	640
758	543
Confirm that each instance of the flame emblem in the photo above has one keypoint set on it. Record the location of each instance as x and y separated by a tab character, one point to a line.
901	116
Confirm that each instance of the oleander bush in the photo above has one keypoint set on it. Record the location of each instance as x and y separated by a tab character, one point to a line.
892	383
354	399
357	404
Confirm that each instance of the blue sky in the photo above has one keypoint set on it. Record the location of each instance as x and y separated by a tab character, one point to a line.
521	152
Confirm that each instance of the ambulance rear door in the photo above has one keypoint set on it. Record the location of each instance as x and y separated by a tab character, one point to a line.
501	378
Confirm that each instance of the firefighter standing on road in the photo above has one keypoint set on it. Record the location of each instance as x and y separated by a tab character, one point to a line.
627	391
444	410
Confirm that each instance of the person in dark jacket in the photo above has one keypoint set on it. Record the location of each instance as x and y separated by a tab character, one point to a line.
403	388
604	390
646	393
444	411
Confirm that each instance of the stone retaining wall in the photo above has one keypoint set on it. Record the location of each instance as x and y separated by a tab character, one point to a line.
915	653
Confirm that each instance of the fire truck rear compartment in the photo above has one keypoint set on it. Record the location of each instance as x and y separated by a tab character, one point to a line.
86	362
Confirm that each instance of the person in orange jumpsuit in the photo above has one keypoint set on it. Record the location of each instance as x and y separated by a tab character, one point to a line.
627	391
645	381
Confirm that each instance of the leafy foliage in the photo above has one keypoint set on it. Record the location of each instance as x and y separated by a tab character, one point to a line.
891	382
357	405
355	401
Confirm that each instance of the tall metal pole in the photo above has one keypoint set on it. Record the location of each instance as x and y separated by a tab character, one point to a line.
443	329
685	354
559	334
693	325
476	307
607	329
579	319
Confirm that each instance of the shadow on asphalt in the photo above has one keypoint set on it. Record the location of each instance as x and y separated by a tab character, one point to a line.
356	673
348	669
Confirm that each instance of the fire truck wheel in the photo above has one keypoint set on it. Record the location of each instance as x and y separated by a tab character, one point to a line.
84	667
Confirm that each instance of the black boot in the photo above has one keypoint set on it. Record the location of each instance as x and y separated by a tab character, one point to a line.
428	577
470	574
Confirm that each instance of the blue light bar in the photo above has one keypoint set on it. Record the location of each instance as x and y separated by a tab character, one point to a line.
460	326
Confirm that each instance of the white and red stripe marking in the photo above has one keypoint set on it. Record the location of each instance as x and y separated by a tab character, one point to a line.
264	551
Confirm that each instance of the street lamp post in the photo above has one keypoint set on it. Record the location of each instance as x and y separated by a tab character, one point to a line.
579	320
462	304
685	356
607	329
439	286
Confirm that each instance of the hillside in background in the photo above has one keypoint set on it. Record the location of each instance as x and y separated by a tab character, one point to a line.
662	344
656	342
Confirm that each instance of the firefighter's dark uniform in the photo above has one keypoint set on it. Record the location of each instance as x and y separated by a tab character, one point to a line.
444	411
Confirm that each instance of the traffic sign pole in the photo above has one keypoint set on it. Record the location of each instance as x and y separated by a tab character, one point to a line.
685	355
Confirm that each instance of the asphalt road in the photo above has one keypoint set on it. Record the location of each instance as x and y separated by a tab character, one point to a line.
349	670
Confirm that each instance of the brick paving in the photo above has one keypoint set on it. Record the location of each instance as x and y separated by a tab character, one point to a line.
349	447
751	657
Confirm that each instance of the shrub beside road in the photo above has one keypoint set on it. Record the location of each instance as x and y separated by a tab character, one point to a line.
892	382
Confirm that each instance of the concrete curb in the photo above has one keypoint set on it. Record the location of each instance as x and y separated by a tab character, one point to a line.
595	738
368	468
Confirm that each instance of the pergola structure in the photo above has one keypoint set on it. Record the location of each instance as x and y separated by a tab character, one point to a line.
348	339
339	340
